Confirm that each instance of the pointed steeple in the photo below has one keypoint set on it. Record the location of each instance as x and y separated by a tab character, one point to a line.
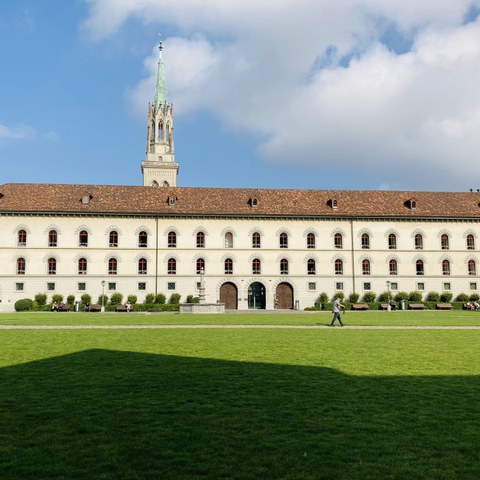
159	167
161	85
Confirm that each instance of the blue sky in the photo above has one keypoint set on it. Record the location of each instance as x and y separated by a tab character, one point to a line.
286	94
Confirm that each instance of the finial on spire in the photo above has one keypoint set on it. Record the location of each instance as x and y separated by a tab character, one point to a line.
160	43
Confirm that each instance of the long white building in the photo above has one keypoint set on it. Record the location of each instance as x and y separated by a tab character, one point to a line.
256	248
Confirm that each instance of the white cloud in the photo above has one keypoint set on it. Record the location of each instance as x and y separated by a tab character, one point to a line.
315	79
17	132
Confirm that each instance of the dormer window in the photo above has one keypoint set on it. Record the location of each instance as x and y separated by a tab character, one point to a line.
411	204
332	203
253	202
86	199
172	201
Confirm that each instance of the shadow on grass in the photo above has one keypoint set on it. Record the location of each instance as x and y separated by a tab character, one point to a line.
117	415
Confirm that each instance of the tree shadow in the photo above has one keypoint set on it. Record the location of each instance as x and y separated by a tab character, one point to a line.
102	414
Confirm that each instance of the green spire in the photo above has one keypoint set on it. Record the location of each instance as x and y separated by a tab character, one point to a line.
161	86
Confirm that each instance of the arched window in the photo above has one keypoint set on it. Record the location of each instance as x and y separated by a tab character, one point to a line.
470	242
256	242
365	241
444	242
171	266
200	266
338	267
418	242
52	238
22	238
283	266
200	240
20	266
419	267
52	266
393	267
83	238
472	267
143	239
366	267
113	239
142	266
311	240
112	266
229	240
338	240
82	266
445	267
228	266
172	240
256	266
311	266
392	241
283	240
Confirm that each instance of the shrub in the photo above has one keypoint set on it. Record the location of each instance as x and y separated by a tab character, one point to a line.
446	297
321	300
401	296
23	305
369	297
86	298
160	298
461	297
353	298
132	299
192	299
174	299
105	299
384	297
415	297
57	298
71	299
116	298
339	295
433	297
41	298
150	298
474	297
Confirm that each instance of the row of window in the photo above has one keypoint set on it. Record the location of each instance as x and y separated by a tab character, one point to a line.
142	265
256	240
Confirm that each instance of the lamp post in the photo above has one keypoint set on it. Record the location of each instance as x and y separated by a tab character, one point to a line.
103	296
388	296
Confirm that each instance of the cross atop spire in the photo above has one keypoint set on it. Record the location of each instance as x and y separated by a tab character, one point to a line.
161	97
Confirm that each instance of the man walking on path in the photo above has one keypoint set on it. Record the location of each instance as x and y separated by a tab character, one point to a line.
336	312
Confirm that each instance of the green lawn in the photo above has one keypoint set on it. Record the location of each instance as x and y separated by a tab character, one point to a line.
412	318
239	404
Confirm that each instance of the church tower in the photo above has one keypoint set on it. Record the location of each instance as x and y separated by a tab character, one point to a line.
159	168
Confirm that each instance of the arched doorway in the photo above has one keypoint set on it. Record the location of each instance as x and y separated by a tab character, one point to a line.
256	296
284	296
229	296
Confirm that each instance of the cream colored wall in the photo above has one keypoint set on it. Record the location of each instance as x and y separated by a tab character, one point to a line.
98	252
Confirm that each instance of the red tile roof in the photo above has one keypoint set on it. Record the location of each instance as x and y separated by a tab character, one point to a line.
105	199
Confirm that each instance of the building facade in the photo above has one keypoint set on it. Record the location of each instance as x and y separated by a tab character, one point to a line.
256	249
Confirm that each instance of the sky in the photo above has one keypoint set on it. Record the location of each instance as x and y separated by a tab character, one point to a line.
309	94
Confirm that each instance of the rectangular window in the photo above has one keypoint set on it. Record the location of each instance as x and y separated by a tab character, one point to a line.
473	285
312	286
338	285
171	286
420	286
19	287
447	286
112	286
142	286
82	286
50	286
393	286
367	286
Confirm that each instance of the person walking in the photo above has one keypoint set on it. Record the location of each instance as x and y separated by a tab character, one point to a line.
337	306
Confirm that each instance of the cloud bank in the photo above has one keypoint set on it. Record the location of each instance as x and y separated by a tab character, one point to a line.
387	88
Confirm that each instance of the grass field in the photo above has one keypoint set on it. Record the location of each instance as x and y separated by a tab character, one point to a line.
240	404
